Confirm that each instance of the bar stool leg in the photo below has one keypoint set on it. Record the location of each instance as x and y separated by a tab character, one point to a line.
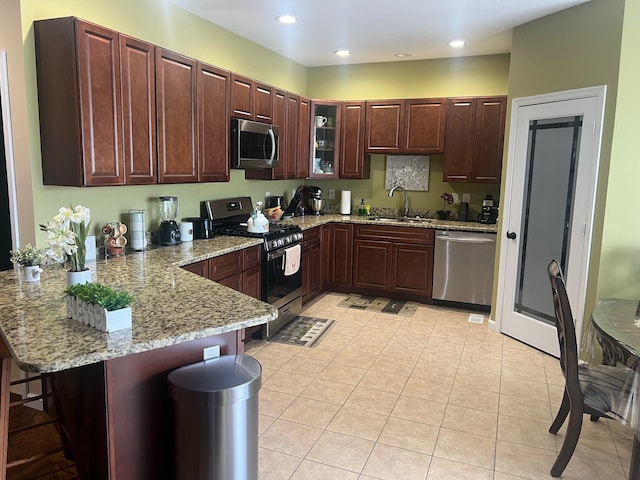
5	400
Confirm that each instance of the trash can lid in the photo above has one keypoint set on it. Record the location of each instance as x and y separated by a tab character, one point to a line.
223	380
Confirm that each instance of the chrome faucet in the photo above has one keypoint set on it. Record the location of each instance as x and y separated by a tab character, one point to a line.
405	211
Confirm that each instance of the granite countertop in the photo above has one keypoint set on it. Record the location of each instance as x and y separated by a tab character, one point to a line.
171	306
310	221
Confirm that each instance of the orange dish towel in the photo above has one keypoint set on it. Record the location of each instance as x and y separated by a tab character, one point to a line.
292	260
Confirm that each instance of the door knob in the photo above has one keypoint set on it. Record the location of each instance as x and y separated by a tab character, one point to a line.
511	235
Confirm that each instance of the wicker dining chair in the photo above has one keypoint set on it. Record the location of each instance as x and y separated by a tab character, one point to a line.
599	391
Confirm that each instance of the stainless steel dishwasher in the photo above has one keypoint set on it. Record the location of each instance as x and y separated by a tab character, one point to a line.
463	267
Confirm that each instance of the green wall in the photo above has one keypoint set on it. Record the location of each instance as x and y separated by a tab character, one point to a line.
163	24
620	255
577	47
449	77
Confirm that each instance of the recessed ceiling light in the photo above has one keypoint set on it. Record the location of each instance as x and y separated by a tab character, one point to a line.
342	53
402	55
288	19
457	44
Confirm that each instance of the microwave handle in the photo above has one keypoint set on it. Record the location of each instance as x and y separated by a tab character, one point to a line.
273	146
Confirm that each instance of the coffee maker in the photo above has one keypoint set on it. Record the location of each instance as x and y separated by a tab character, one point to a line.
489	213
168	232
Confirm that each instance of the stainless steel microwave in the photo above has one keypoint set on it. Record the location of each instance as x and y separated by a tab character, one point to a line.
253	144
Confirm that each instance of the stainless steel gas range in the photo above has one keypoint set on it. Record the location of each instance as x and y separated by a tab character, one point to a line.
281	256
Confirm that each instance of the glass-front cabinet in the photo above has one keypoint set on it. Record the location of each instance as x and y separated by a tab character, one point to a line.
325	139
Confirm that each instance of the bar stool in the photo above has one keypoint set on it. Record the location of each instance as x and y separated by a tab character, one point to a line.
48	400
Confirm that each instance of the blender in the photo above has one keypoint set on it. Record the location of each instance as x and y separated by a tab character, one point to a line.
168	231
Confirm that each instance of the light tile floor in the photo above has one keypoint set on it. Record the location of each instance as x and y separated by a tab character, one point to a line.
425	397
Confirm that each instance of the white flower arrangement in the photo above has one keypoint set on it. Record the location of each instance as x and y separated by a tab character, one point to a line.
66	234
28	256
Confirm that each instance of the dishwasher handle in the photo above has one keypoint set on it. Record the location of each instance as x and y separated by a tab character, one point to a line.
465	240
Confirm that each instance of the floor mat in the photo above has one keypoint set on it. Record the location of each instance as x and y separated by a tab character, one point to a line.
303	331
379	304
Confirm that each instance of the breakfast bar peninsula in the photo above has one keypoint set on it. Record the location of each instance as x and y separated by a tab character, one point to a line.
112	386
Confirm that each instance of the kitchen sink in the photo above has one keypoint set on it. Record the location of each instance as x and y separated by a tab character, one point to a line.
385	219
400	219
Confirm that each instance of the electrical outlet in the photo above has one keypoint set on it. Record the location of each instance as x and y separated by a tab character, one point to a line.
332	194
211	352
466	197
267	194
456	199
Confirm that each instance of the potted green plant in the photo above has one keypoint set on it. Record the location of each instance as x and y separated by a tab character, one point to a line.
30	259
99	306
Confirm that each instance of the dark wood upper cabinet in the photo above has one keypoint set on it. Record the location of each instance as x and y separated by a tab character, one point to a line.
242	97
213	91
385	126
177	117
488	141
302	160
424	126
353	162
291	138
474	140
263	103
324	145
410	126
137	60
80	103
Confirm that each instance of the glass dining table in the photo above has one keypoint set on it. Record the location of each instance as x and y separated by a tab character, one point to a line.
612	337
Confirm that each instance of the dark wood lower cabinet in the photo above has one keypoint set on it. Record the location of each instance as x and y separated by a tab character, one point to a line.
119	414
395	262
311	264
337	248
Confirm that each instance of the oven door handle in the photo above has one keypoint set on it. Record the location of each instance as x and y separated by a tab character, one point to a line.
274	255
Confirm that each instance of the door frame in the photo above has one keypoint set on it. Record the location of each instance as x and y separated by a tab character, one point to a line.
599	93
12	186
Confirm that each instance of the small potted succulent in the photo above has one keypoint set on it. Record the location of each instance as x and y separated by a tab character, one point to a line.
99	306
30	259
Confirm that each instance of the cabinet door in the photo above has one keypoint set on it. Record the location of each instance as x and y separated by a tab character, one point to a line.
291	137
225	265
251	257
100	103
232	281
385	126
412	269
199	268
488	140
137	60
371	264
352	157
425	121
263	103
461	115
325	144
340	255
302	160
177	116
213	123
252	282
242	97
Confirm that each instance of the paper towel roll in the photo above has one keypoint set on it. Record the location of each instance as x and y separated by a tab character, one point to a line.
345	202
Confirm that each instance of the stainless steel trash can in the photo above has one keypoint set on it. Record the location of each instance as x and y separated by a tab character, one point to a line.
216	418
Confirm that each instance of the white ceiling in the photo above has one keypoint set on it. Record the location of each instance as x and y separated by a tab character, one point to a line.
374	30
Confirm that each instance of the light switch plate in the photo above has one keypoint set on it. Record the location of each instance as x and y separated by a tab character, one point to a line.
211	352
332	194
466	197
456	199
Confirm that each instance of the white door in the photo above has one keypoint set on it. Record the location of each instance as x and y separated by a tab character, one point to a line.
554	149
